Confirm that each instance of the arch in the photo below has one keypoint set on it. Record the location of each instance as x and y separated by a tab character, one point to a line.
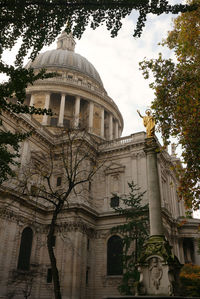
114	256
25	249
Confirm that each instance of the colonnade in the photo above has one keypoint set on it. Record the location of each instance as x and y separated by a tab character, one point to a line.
113	124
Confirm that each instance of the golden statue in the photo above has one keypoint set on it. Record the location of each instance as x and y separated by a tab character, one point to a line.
149	123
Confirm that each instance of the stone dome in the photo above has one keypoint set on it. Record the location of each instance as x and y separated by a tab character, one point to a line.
64	57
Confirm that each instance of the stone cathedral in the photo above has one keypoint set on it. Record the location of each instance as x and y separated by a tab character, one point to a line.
84	247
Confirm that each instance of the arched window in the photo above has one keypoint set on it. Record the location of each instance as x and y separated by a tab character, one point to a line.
114	256
25	249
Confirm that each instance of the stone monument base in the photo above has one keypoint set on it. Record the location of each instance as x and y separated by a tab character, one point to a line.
159	269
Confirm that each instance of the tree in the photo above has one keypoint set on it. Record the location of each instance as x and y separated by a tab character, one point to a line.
77	160
37	23
176	105
134	232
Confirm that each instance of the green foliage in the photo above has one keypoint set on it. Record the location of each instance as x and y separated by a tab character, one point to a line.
39	22
177	91
190	280
134	232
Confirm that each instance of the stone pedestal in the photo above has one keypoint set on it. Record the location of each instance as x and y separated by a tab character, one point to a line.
158	267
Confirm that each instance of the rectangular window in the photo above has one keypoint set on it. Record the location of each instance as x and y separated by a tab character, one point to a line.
49	275
87	276
66	123
59	181
114	201
53	121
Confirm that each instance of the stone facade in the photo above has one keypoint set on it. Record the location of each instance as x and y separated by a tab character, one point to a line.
78	99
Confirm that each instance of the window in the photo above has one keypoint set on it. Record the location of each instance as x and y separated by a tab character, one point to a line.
66	123
59	181
114	256
25	249
49	275
53	121
114	201
87	276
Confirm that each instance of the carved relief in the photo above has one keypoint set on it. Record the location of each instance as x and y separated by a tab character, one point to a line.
155	272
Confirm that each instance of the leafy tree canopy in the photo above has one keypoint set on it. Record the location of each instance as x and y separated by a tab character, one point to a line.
39	22
177	92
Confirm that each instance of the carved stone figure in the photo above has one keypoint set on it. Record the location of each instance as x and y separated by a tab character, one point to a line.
155	272
149	123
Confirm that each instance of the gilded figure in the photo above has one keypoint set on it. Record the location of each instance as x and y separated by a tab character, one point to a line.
149	122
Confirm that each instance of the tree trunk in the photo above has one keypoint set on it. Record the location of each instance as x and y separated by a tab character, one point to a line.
55	274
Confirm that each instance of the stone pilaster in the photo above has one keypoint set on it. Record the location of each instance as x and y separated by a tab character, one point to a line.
110	127
62	110
77	112
102	122
32	101
116	129
91	111
46	106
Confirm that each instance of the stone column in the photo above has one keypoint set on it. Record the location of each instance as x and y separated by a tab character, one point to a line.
91	111
120	132
102	122
62	110
151	150
77	112
116	129
46	106
32	101
110	127
196	254
159	268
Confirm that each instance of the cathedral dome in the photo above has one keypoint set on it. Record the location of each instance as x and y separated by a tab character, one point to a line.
64	57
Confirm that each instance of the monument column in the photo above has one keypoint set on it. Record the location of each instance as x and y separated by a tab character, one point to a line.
151	149
62	110
102	122
158	266
91	110
46	106
77	112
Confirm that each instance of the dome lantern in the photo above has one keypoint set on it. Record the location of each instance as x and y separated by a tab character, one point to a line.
66	42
